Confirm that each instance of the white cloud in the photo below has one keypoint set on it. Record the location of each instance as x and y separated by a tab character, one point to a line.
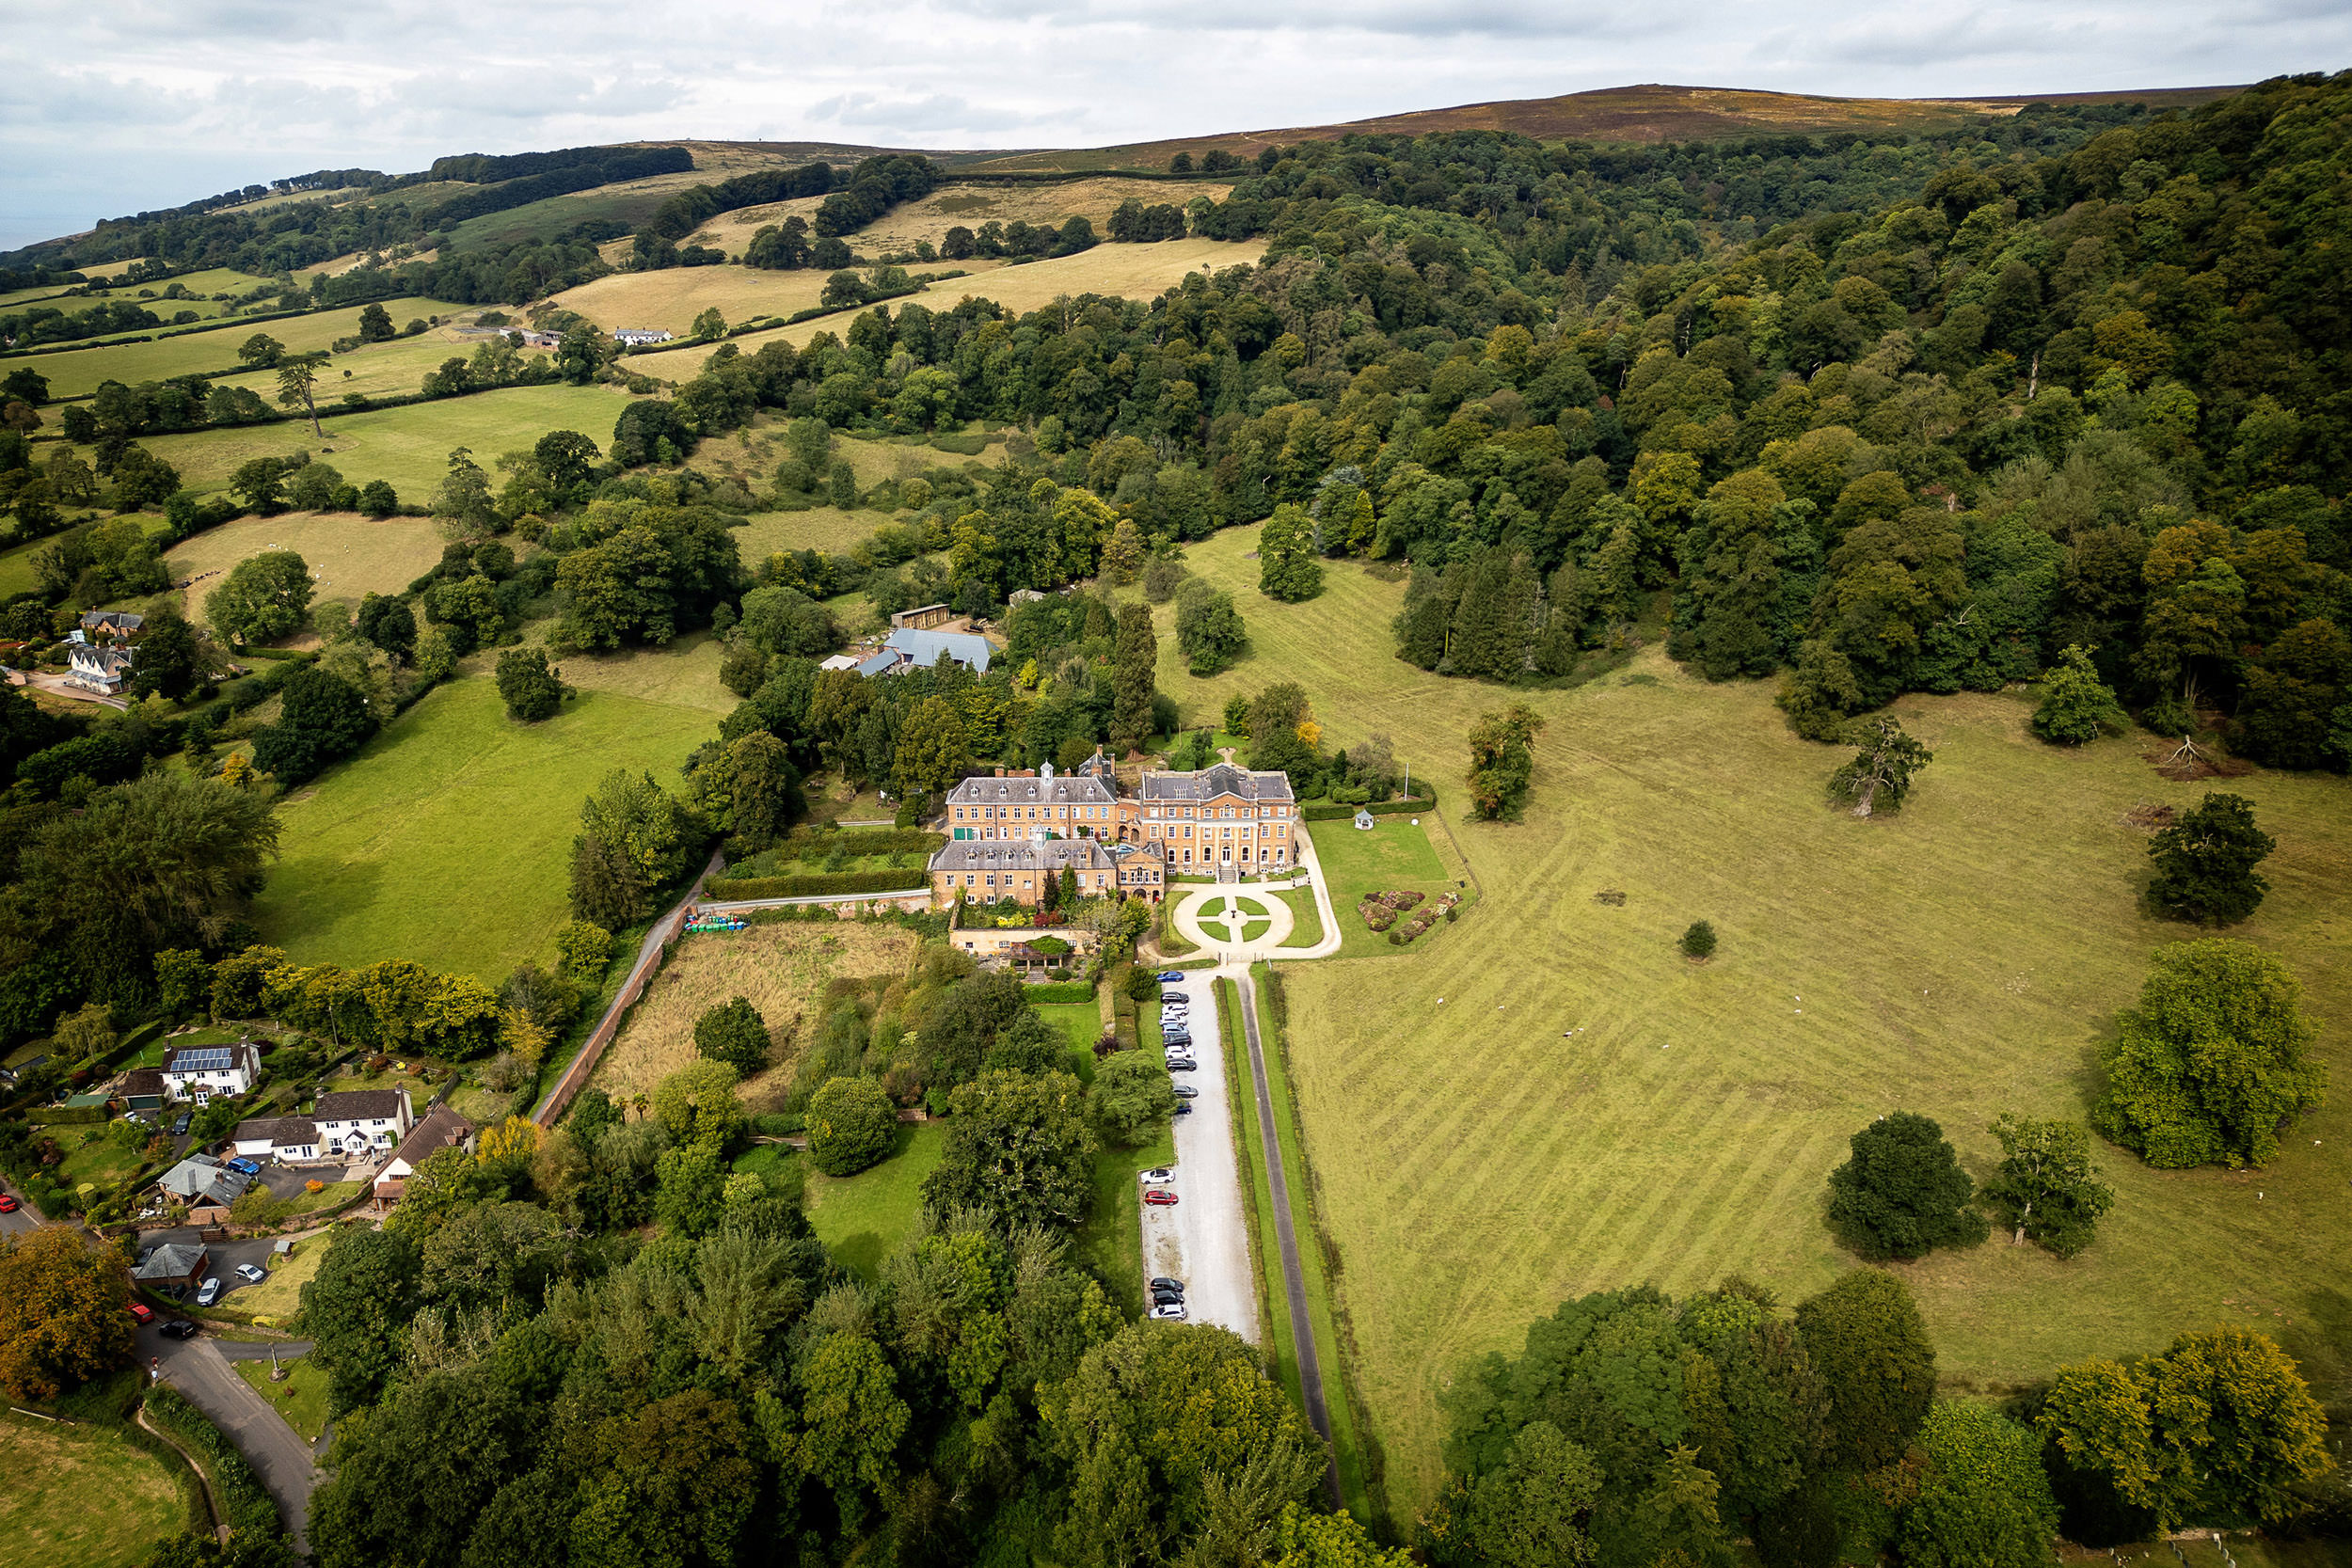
140	104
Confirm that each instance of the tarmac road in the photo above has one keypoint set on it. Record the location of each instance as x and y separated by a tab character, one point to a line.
1204	1240
199	1368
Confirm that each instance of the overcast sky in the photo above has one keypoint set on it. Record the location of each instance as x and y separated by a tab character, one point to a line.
109	106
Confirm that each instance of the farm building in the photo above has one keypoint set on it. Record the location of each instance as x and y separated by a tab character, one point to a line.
922	618
638	337
911	647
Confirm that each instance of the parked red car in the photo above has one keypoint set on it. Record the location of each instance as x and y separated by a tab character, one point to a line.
1160	1196
144	1313
8	1204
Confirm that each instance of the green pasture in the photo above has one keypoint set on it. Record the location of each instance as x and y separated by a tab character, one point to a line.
408	447
447	840
74	372
863	1218
82	1497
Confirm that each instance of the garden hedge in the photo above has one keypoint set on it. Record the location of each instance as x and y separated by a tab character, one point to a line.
1332	812
820	884
1065	990
64	1115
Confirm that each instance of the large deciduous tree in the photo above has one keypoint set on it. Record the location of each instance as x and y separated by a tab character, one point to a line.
851	1125
265	597
2205	862
1880	775
1903	1193
1019	1148
2046	1188
2213	1060
64	1312
1985	1501
1864	1336
1503	760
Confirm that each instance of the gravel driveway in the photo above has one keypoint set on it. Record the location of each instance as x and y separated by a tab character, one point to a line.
1204	1240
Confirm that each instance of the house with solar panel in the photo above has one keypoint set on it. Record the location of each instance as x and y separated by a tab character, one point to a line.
199	1072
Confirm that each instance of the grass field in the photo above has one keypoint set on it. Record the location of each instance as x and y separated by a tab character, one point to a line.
376	370
782	969
1394	856
408	446
968	205
684	675
863	1218
820	528
349	556
446	841
1132	271
673	296
300	1400
1962	959
1081	1024
78	371
81	1497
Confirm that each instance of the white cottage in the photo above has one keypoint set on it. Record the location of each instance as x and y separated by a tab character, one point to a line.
199	1072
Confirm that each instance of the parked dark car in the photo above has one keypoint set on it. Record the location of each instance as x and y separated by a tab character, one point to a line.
179	1328
180	1123
1186	1091
1160	1282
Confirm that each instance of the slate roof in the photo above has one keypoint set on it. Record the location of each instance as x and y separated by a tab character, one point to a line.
1026	789
111	620
440	1128
212	1058
171	1260
281	1131
1210	782
357	1105
143	1080
924	647
201	1176
1051	854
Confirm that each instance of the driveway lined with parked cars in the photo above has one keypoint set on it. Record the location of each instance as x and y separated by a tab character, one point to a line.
1201	1241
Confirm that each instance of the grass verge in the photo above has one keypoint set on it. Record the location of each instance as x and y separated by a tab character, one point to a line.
300	1400
1110	1244
81	1497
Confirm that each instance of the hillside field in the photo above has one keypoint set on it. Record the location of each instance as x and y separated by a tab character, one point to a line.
349	556
75	372
407	446
970	206
54	1476
1131	271
1477	1162
448	839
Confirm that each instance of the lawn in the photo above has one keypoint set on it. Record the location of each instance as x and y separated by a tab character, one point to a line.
300	1400
1394	855
782	969
82	1497
447	840
407	447
1306	920
863	1218
683	675
349	556
78	371
94	1154
1081	1024
280	1298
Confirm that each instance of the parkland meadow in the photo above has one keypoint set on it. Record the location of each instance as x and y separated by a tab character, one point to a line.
448	839
350	555
1548	1100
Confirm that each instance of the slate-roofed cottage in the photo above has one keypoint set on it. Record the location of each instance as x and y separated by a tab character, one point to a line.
206	1186
113	622
1221	816
360	1121
97	667
291	1140
441	1128
178	1264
